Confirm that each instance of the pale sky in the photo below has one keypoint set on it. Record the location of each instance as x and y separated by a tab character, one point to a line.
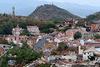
25	7
82	2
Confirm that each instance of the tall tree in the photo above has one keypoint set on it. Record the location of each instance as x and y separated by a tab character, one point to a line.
77	35
7	28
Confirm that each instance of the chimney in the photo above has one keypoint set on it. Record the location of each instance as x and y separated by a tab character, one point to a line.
80	51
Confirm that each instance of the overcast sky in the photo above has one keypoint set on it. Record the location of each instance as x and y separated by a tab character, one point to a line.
30	5
82	2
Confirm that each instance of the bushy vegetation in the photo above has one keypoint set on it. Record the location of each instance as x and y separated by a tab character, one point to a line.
93	17
77	35
7	23
21	55
45	65
97	36
3	41
80	24
63	47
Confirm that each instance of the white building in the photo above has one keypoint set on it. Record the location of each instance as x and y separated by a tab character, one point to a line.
90	52
33	30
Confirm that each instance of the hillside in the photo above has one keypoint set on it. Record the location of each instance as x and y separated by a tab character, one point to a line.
93	17
51	12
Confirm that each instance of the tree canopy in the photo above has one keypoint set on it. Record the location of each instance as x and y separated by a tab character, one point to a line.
77	35
25	32
80	24
97	36
21	55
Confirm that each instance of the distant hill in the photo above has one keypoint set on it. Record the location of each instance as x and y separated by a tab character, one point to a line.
94	17
51	12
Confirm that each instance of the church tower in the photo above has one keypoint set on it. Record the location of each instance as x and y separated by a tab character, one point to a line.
13	11
17	34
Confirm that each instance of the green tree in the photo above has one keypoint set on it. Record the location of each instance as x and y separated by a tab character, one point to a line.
25	32
67	27
77	35
97	36
7	28
45	27
80	24
45	65
62	46
23	54
57	21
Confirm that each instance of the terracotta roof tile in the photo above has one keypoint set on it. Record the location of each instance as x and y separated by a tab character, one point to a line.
95	26
32	27
1	50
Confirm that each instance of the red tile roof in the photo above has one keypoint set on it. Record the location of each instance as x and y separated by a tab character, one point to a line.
32	27
88	33
95	26
1	50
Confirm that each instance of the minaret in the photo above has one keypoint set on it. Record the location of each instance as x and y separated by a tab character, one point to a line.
17	34
13	11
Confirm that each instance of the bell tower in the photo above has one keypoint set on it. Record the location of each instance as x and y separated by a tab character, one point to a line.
13	11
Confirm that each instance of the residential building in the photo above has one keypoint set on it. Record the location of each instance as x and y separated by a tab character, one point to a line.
95	28
60	26
12	38
33	30
17	31
5	46
88	35
31	41
70	21
14	30
90	52
40	43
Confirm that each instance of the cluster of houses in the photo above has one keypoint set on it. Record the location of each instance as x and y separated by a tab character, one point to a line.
87	45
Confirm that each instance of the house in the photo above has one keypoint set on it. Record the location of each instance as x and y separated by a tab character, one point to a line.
73	43
88	35
70	56
91	42
14	30
90	52
33	30
5	46
60	26
70	21
69	36
13	39
50	46
40	43
31	41
95	28
17	30
70	33
88	27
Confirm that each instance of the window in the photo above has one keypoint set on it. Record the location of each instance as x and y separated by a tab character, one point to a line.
84	53
22	38
11	39
15	38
